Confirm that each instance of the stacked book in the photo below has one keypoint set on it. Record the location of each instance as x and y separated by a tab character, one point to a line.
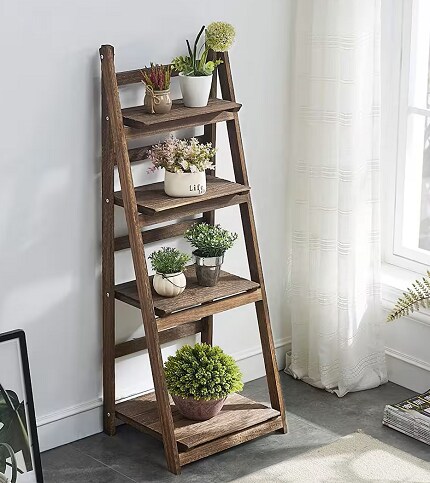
411	417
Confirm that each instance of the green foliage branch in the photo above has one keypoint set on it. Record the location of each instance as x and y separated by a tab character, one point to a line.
219	38
202	372
413	299
168	260
210	240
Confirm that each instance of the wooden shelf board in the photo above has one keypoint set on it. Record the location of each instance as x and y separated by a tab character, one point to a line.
151	199
137	117
233	439
227	286
238	414
194	209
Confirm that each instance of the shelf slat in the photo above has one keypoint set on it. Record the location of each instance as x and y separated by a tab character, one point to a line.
239	413
234	439
175	333
151	199
137	117
194	295
194	209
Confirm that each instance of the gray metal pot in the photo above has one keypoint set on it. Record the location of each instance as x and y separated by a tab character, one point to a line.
208	269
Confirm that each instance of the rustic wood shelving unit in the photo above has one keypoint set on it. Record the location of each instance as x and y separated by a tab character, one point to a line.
191	312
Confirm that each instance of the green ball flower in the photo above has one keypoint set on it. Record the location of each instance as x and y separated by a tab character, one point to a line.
202	372
220	36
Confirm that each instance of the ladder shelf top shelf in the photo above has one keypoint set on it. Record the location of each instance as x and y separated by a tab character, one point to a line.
137	117
138	123
151	199
194	295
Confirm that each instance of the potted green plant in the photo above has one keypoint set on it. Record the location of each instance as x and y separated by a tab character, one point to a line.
210	243
185	162
195	71
200	378
169	265
157	94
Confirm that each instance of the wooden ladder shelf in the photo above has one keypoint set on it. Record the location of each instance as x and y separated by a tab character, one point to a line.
192	311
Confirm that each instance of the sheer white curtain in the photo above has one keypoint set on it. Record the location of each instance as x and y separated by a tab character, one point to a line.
334	291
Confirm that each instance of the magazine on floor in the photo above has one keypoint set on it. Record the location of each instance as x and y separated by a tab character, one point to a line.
411	417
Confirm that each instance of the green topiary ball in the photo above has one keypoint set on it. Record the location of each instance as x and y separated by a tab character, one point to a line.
202	372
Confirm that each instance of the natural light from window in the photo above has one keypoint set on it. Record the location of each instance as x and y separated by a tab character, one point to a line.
412	233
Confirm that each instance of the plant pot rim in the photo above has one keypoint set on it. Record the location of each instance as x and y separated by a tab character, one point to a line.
208	261
181	74
169	274
185	172
190	398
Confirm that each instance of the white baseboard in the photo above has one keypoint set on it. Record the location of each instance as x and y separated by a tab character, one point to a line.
82	420
408	371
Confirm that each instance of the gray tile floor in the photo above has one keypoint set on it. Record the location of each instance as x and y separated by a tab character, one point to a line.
315	418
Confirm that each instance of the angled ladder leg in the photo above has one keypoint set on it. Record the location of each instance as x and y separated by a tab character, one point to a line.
251	242
209	216
138	254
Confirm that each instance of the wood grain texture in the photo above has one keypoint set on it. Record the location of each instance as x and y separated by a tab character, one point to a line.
137	117
230	440
238	413
135	76
193	295
138	254
209	308
171	126
251	243
108	275
157	234
152	199
175	333
192	209
209	136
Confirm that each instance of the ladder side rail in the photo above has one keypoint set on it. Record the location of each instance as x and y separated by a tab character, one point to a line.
209	136
138	255
251	243
108	273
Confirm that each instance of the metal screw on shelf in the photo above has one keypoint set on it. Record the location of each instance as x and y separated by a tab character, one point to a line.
108	415
101	57
107	118
107	200
107	294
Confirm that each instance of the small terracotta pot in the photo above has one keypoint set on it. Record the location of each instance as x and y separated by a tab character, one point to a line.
157	102
198	410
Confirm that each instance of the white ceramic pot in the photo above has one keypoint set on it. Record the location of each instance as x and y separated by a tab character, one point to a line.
169	284
195	89
182	185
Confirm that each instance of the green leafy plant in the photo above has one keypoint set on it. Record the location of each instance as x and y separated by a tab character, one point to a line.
157	77
219	38
13	432
168	260
181	155
414	298
210	240
202	372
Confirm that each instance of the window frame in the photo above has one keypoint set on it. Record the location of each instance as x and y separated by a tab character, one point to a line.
396	38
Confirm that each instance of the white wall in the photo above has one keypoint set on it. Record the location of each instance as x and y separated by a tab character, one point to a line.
50	197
